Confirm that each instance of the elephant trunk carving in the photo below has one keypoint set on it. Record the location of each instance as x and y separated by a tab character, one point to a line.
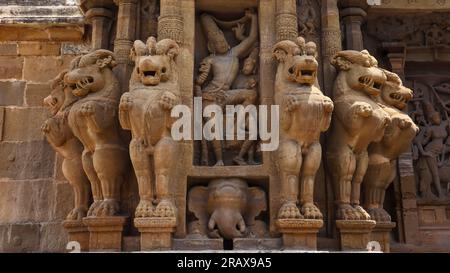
227	209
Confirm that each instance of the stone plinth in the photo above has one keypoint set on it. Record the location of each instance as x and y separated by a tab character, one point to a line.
156	233
381	234
78	232
354	234
299	233
105	233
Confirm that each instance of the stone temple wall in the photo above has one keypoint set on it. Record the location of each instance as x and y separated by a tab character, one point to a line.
39	38
36	43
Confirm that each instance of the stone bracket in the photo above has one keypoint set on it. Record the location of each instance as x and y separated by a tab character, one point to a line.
156	233
299	233
355	234
105	233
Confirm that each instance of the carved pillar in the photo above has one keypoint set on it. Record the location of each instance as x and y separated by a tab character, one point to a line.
331	41
125	36
170	22
331	44
405	186
100	19
353	18
286	20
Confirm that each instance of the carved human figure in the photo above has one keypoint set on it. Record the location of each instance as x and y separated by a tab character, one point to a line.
247	79
93	119
358	121
305	114
227	208
383	155
222	66
432	143
59	135
145	111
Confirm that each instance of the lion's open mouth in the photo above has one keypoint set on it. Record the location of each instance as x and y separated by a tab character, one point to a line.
307	73
372	85
149	73
398	97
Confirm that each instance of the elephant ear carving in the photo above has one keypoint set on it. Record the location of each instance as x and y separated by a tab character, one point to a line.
256	204
197	203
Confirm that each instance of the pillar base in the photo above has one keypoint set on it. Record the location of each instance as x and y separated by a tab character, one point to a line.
156	232
105	233
354	234
299	234
382	234
77	232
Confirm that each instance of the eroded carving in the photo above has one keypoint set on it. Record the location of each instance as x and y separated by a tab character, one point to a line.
398	137
227	208
58	133
305	113
93	119
358	121
145	111
218	81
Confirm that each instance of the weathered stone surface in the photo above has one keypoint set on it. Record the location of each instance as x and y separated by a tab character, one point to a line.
11	92
48	67
39	48
2	121
63	201
35	93
26	160
24	124
53	237
8	49
26	201
20	237
11	67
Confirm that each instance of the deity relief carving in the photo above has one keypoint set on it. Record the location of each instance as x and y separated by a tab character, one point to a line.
432	145
93	119
145	111
220	81
58	133
227	208
358	121
305	114
398	137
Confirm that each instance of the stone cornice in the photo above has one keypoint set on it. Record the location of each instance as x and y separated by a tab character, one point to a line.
54	12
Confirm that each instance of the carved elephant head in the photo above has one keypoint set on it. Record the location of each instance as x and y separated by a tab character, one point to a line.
88	73
154	61
227	207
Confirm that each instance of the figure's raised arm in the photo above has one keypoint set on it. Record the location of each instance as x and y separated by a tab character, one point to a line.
243	48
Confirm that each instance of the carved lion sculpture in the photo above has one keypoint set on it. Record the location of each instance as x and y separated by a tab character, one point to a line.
396	140
145	110
357	122
227	208
58	134
94	121
305	114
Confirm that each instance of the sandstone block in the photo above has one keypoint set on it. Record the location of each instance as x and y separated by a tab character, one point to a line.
11	67
39	49
11	92
24	124
35	93
63	201
26	160
53	237
26	201
22	238
8	49
48	67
